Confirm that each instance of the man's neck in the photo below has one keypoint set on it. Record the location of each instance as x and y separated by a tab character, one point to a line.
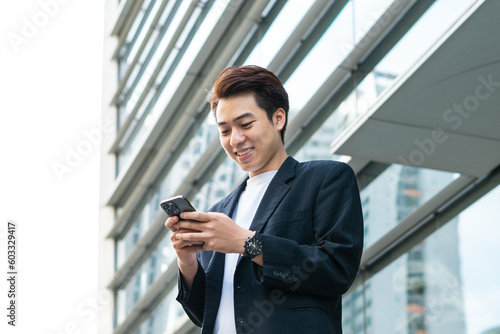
277	162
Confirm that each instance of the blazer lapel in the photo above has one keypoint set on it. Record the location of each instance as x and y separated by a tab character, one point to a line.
232	199
275	192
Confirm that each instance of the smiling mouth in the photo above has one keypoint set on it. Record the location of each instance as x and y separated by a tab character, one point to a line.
242	153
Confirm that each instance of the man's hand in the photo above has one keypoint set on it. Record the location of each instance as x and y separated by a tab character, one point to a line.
180	245
186	252
216	230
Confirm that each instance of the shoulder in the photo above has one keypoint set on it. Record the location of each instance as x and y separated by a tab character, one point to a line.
218	206
327	175
318	173
323	167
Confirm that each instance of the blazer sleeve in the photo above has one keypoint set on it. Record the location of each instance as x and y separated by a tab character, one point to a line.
193	300
329	265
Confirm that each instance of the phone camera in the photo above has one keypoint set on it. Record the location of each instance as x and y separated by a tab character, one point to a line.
172	209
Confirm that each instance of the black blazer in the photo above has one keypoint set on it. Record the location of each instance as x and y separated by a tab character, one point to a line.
312	226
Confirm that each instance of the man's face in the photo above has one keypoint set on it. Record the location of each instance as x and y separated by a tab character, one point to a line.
248	136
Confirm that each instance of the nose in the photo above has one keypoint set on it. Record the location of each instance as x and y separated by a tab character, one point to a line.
237	138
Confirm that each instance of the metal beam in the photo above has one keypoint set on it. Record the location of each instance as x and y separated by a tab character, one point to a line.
184	326
369	173
259	32
129	20
308	32
126	12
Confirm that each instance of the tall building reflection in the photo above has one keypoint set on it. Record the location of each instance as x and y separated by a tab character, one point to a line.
421	292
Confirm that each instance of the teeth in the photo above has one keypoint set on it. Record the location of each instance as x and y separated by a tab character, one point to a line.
244	152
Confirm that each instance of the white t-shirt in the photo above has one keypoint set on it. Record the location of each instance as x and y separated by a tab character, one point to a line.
245	211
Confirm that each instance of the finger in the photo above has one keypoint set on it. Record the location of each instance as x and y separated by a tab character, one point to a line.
170	222
180	244
183	248
196	237
195	215
194	244
185	230
189	225
189	249
187	236
195	248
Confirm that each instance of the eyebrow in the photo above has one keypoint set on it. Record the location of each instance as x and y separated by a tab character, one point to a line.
237	118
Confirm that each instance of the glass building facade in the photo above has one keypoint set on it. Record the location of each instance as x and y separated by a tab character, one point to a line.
374	83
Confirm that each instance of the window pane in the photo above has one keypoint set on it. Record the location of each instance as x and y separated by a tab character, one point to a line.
447	284
325	56
433	24
279	31
366	13
158	263
395	193
318	146
164	317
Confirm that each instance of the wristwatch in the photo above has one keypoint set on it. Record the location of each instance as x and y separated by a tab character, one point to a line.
253	246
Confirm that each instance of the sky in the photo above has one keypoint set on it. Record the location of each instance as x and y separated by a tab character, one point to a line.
50	102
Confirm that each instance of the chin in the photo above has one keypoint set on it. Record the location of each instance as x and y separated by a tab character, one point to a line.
246	168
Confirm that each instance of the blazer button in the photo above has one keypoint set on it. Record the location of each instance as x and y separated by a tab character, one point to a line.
276	273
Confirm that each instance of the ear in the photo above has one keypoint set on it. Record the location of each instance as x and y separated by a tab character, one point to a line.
279	119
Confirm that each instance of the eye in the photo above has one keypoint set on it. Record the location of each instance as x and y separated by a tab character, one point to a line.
224	132
246	125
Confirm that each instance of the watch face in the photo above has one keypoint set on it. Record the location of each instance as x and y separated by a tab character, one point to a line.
254	246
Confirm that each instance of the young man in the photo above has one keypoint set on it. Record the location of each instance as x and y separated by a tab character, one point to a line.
277	253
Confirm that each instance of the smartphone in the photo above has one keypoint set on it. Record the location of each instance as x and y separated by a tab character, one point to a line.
175	205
